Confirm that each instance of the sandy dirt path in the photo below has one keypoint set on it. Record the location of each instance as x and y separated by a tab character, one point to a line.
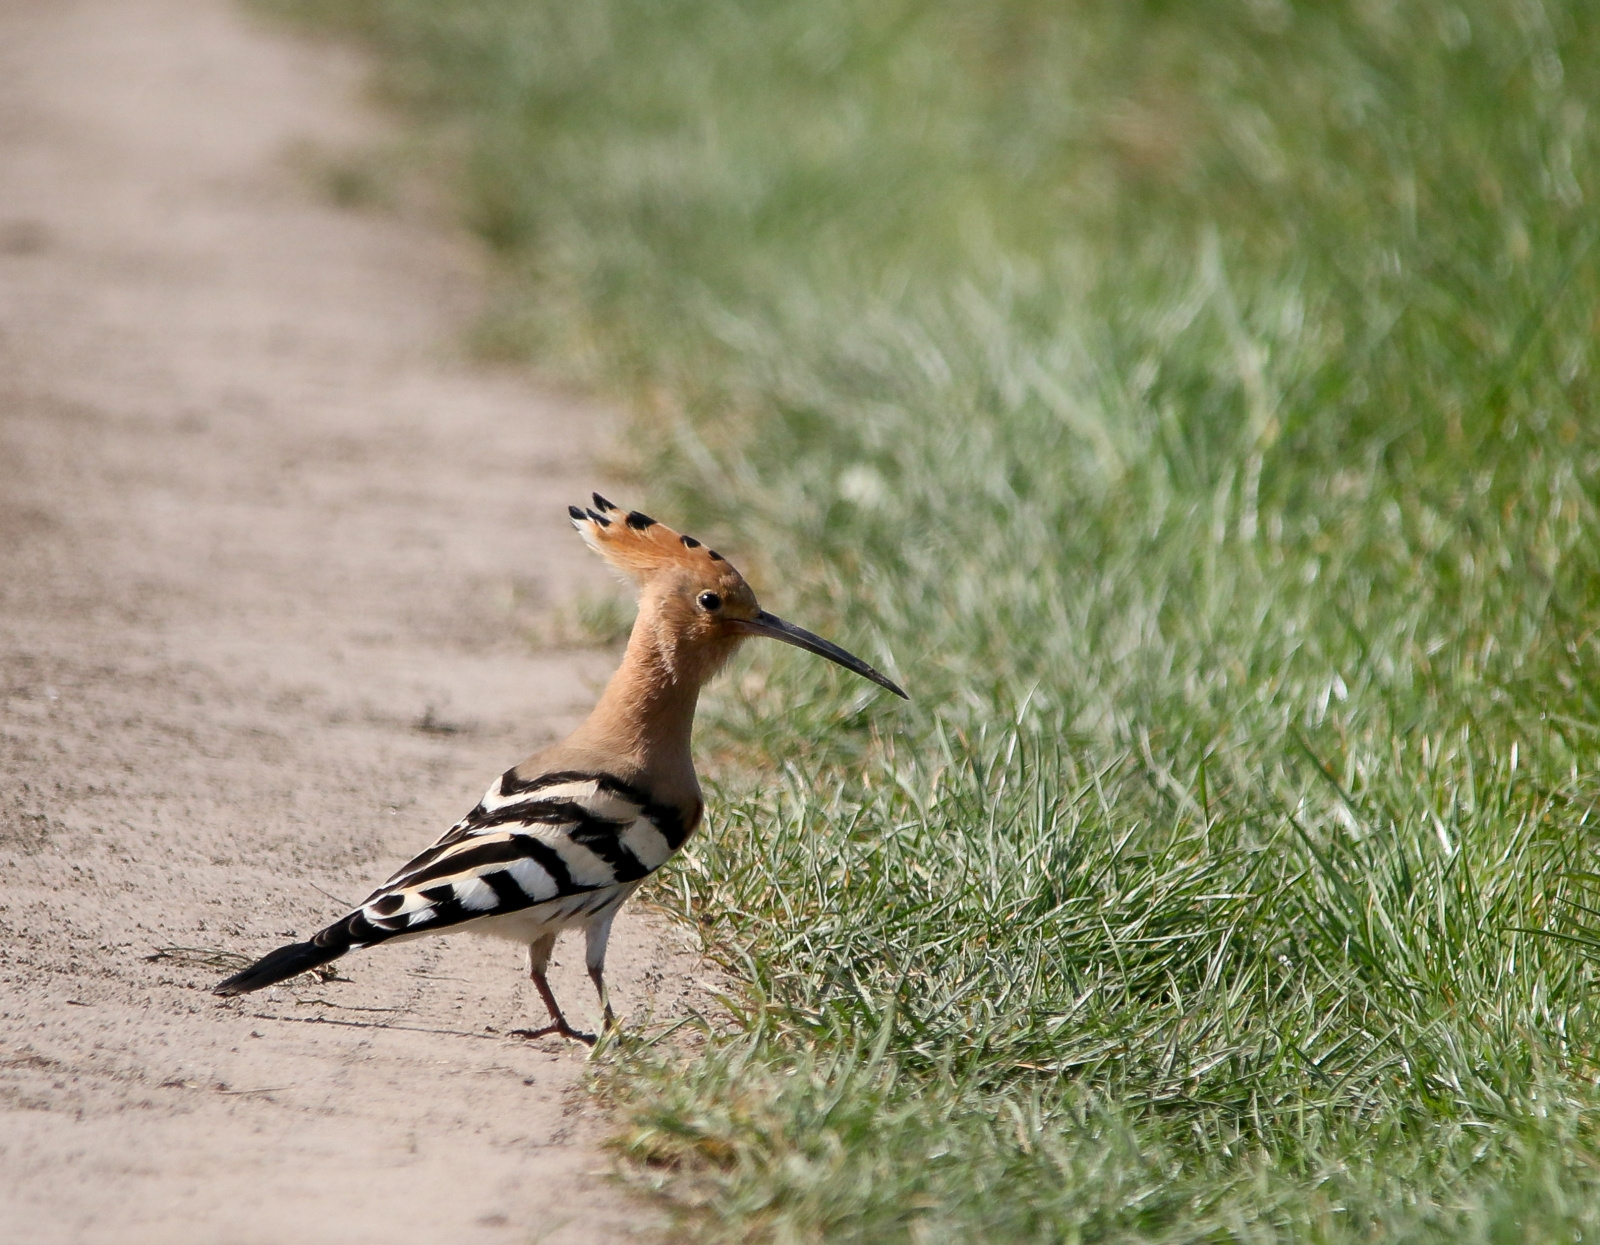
269	551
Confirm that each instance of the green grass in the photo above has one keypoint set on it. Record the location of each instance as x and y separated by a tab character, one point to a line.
1193	405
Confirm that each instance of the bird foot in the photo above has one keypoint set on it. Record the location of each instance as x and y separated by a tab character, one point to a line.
561	1027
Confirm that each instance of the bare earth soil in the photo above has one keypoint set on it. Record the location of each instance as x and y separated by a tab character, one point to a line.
269	553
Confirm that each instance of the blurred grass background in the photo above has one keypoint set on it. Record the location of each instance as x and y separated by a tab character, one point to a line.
1192	404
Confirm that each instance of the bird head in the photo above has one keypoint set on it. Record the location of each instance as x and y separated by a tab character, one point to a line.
695	607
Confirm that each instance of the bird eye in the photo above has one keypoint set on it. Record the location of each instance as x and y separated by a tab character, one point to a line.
709	601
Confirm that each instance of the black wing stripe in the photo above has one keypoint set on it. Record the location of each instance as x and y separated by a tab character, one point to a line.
664	817
421	859
470	858
511	896
550	859
524	813
447	909
510	784
533	812
466	862
604	839
600	835
671	824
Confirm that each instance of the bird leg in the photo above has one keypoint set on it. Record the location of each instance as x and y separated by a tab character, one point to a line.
538	961
558	1022
597	974
596	936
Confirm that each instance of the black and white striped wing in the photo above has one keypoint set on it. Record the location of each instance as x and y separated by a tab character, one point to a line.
528	842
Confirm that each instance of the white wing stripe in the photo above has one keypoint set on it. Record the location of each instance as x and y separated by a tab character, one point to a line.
648	845
586	868
476	895
535	881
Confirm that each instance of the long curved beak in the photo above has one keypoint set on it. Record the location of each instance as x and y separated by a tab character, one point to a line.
774	628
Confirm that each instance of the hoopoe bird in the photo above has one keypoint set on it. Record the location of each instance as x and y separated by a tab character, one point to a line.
562	840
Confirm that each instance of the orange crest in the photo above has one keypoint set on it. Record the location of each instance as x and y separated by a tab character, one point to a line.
637	544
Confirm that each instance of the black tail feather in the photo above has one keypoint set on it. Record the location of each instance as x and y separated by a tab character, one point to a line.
327	944
278	966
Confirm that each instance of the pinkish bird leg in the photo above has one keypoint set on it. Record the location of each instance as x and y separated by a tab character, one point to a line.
558	1021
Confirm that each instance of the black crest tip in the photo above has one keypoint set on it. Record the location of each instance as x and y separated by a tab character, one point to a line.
577	513
602	503
639	521
599	518
689	542
715	556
